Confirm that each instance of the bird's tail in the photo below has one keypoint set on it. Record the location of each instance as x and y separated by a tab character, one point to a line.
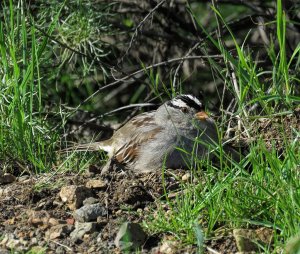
88	147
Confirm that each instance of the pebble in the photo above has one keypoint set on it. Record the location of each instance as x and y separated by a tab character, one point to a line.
90	201
4	192
33	241
74	195
118	212
168	247
38	218
89	212
83	228
4	251
59	231
10	242
60	250
96	184
186	177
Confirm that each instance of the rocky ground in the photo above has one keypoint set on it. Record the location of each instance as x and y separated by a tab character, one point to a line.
89	214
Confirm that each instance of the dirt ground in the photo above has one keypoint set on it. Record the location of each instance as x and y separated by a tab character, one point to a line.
34	216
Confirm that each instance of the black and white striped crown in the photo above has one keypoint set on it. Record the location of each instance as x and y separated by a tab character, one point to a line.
186	100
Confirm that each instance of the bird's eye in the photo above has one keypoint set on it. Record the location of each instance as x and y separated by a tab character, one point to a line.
184	110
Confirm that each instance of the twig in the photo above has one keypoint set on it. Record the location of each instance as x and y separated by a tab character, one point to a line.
138	28
262	31
129	106
60	244
180	64
212	250
165	63
234	81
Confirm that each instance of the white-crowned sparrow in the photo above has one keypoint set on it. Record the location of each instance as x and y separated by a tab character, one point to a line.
165	136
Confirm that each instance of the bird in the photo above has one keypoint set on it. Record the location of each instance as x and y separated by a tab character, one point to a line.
170	136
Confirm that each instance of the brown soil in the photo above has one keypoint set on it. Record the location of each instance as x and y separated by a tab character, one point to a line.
26	203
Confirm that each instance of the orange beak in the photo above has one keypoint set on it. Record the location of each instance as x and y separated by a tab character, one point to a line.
202	116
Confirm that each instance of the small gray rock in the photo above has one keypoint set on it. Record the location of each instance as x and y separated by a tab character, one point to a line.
81	229
89	212
11	241
130	236
90	201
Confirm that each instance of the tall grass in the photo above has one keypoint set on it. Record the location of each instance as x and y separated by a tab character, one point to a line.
266	196
26	136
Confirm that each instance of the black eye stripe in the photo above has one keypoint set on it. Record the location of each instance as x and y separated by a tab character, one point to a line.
191	103
172	105
184	101
183	109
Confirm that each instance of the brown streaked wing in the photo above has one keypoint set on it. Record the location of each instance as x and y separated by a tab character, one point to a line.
128	152
142	119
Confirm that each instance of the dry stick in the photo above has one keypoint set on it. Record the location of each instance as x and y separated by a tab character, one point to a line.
60	244
74	51
64	45
226	112
219	33
180	64
262	30
235	84
138	28
233	76
212	250
236	87
188	53
137	72
219	36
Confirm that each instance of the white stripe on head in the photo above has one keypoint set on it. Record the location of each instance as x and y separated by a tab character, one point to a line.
186	100
179	103
195	99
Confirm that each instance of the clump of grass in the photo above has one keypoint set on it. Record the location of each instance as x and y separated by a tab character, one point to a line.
30	128
266	195
26	135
